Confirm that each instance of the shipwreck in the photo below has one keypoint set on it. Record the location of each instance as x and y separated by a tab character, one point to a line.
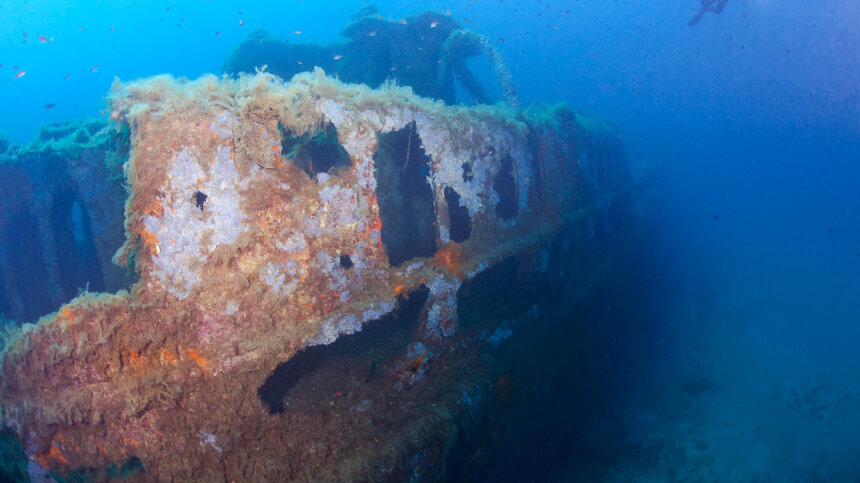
325	281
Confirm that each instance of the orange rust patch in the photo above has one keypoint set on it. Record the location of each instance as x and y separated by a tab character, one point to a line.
134	360
150	241
156	209
53	455
376	226
451	257
195	356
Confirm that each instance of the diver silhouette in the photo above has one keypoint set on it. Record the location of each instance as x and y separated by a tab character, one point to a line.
713	6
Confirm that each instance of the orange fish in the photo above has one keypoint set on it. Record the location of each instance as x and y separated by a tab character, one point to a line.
338	394
95	68
43	39
20	74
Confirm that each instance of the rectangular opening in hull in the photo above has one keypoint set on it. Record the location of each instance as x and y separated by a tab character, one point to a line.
404	195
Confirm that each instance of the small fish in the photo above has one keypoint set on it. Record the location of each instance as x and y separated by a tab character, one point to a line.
555	27
372	33
433	24
716	218
111	28
338	394
338	56
20	74
95	68
25	36
297	32
403	21
49	106
240	22
501	40
67	77
80	29
1	65
217	33
43	39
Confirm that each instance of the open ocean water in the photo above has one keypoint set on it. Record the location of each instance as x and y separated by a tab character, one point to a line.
735	355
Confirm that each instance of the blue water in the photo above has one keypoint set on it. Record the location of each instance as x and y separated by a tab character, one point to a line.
740	359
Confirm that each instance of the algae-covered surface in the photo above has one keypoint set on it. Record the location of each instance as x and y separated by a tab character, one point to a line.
289	322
